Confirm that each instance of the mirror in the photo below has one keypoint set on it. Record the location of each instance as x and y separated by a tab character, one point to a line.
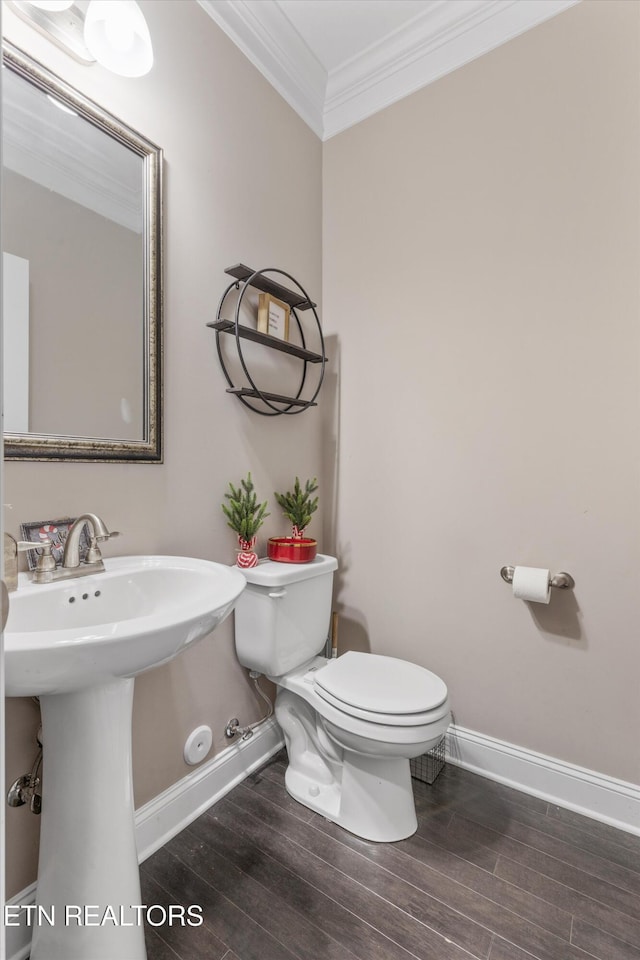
82	278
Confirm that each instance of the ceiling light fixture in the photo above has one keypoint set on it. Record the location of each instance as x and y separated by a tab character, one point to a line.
117	35
63	27
113	32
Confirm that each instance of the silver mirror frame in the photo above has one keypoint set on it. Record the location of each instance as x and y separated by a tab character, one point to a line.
148	450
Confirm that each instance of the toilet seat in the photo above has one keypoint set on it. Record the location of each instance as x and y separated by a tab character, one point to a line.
399	730
382	690
388	719
378	731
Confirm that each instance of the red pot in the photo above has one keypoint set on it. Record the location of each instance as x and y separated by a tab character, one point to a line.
292	549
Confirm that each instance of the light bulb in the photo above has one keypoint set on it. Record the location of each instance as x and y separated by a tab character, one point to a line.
117	35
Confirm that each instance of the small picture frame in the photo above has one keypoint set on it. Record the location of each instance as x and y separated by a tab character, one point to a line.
36	531
273	316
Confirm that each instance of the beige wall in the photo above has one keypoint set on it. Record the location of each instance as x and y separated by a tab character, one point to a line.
243	183
481	267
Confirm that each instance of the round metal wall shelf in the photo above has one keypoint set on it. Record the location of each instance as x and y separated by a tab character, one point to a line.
271	404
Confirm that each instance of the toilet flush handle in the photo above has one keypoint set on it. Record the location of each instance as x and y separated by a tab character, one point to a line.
277	593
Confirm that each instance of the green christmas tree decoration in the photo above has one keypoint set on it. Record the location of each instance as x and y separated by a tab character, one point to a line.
244	514
298	506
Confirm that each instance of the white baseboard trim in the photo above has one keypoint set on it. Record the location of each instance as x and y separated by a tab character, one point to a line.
592	794
174	809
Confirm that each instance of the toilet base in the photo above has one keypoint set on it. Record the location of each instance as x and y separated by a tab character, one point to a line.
371	797
374	801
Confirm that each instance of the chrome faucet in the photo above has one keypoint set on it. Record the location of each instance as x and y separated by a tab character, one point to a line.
97	529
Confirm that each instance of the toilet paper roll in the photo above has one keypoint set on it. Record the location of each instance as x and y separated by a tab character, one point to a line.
531	583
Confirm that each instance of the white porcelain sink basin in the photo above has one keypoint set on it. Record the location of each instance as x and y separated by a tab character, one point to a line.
141	612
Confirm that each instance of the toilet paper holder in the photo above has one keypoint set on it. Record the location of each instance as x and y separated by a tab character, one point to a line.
563	581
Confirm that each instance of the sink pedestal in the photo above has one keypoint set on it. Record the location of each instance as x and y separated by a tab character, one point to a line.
88	858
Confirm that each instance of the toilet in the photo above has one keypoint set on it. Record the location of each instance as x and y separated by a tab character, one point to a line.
351	724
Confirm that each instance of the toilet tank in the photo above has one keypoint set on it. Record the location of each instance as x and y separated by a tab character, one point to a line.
282	618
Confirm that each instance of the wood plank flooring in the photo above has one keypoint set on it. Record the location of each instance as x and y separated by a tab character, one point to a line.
491	874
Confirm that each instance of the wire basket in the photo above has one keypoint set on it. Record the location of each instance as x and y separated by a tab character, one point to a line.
427	766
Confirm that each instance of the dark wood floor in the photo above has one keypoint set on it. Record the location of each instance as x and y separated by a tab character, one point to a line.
491	874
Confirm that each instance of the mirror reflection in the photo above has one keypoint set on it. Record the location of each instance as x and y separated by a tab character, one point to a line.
81	259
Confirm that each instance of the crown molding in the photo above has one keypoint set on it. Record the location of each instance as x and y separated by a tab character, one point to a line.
446	36
426	48
269	40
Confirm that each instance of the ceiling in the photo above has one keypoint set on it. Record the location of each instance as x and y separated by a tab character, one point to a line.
337	62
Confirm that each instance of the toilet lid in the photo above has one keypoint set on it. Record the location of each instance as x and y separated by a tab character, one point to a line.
380	685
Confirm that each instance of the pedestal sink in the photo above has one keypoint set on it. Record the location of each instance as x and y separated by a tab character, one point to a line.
78	644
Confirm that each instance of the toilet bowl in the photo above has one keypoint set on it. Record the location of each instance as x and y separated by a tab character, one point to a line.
350	724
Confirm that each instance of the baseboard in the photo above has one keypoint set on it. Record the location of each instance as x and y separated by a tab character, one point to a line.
171	811
592	794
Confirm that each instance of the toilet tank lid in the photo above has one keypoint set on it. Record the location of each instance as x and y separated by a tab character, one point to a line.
270	573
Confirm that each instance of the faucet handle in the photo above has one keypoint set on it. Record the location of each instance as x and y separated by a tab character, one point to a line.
46	562
93	553
24	545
